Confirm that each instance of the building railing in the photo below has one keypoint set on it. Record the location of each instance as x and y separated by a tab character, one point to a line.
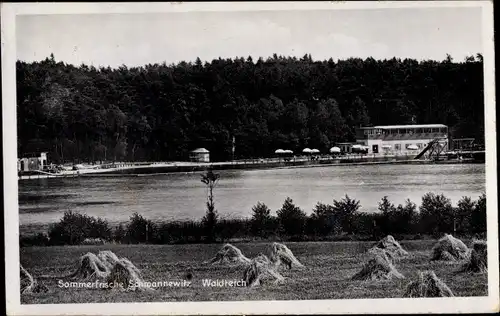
413	136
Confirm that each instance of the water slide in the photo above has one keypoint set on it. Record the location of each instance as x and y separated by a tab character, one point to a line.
429	146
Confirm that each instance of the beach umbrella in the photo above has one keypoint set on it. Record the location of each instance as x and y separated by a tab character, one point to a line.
279	151
412	147
288	151
335	149
357	146
307	150
315	151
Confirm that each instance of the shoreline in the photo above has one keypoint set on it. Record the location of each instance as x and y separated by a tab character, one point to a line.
130	170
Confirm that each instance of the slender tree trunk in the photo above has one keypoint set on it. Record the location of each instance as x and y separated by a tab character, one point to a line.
62	152
133	152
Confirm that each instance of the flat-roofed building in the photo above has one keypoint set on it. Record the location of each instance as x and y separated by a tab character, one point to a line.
32	162
401	139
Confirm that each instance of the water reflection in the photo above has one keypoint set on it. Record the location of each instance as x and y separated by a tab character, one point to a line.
183	196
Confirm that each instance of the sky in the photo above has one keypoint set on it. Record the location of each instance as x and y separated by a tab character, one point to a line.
140	39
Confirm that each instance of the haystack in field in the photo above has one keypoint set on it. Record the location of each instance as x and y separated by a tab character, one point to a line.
389	256
478	258
427	285
280	253
229	254
389	244
27	280
125	276
108	258
90	267
449	248
379	267
106	266
29	284
260	269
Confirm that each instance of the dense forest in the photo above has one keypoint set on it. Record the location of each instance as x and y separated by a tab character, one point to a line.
161	112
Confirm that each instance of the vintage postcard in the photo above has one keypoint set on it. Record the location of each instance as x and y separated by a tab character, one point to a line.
249	158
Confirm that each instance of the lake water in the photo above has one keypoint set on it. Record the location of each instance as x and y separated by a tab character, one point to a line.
183	196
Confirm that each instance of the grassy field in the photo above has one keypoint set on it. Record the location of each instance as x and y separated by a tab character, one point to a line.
329	266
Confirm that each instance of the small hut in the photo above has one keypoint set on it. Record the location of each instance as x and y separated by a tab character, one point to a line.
199	155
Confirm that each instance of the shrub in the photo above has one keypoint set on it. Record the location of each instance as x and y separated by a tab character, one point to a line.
232	228
171	233
387	219
345	210
120	234
180	232
478	216
73	228
436	214
396	220
193	231
324	221
140	230
463	213
405	218
262	221
365	224
99	228
291	219
39	239
209	221
311	227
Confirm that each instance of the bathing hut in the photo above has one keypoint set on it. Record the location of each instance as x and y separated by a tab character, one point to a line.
200	155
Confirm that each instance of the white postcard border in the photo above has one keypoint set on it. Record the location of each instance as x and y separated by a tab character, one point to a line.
357	306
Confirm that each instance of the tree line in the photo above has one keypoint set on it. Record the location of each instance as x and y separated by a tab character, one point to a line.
161	112
341	220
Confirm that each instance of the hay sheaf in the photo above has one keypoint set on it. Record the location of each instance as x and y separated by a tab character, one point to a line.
281	254
478	259
427	284
109	268
90	268
378	267
108	258
389	256
393	247
229	254
125	276
260	270
449	248
30	284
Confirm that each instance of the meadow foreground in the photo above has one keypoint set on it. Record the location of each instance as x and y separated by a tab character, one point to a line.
329	267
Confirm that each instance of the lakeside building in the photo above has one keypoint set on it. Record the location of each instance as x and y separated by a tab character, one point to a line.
199	155
32	162
401	139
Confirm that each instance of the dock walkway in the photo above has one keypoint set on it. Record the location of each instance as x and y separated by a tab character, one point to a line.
157	168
